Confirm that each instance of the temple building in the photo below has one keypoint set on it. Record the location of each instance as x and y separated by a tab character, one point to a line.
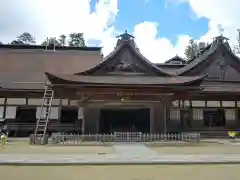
123	91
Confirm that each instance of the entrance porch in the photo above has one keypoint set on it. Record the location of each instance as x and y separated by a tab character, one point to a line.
142	117
129	103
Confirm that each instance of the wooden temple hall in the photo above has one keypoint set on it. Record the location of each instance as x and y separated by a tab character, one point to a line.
123	92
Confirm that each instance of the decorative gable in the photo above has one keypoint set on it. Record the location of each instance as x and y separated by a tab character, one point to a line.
222	69
126	63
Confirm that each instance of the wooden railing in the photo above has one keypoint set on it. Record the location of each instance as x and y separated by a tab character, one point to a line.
63	138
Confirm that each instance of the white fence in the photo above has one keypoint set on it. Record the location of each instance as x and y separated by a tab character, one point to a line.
62	138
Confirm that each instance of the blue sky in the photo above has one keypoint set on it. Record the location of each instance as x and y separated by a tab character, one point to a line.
173	19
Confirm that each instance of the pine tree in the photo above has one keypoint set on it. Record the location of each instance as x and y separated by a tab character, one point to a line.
191	50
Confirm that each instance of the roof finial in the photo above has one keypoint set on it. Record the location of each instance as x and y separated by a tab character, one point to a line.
221	29
125	36
220	39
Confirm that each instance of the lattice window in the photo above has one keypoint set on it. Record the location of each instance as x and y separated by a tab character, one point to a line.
230	114
175	114
197	114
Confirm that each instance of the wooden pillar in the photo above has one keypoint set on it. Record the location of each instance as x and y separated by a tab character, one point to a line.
83	126
165	119
159	125
81	116
152	119
167	104
5	108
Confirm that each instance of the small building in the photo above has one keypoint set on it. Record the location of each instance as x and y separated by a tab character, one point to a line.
122	92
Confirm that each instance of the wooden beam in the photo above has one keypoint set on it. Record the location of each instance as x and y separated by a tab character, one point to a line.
114	90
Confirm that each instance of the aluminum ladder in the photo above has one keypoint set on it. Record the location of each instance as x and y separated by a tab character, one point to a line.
43	119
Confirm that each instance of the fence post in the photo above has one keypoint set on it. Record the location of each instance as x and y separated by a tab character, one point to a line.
198	137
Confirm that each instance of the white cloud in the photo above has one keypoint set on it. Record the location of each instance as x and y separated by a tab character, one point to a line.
219	12
45	18
108	40
157	49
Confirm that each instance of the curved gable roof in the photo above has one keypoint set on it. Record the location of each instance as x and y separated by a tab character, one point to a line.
209	55
113	56
198	60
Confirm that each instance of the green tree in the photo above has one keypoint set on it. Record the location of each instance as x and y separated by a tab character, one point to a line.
1	43
26	38
17	42
76	40
191	49
51	41
62	40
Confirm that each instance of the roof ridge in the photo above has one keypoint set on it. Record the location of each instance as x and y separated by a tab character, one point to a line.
60	48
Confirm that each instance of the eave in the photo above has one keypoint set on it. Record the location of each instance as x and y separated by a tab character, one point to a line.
136	81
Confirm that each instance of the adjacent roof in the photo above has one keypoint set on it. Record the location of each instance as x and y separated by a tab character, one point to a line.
21	65
176	59
198	60
210	53
50	47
